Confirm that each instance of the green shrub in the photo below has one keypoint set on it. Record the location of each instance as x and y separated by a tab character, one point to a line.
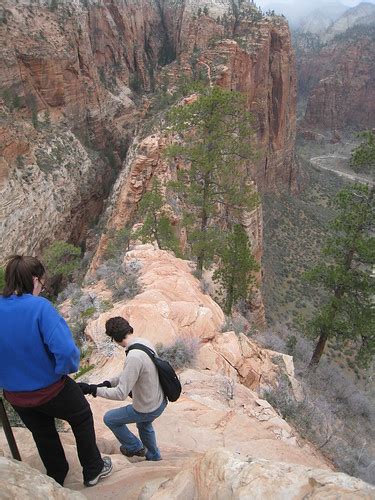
118	243
291	344
135	82
62	259
90	311
84	306
102	76
53	5
11	100
106	305
83	371
34	119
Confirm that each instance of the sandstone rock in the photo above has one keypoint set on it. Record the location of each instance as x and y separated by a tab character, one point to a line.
48	190
143	162
238	357
212	412
19	481
361	15
222	475
171	305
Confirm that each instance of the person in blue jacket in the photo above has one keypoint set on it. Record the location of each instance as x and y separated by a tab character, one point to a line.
37	352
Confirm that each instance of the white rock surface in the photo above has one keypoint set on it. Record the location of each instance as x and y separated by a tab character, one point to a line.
220	475
19	481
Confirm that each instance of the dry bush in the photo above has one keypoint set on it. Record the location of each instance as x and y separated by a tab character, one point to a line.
335	414
182	353
236	323
121	278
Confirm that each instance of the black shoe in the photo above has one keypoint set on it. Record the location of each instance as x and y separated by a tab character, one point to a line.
153	459
107	469
139	453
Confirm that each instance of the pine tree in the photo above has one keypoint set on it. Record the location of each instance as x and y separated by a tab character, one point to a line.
363	157
118	243
236	267
62	259
34	119
156	226
215	132
346	275
53	5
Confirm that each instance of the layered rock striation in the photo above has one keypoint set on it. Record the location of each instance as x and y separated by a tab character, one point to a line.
221	474
87	68
19	480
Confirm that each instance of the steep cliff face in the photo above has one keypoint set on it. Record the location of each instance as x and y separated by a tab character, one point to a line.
254	56
146	161
64	133
84	68
336	70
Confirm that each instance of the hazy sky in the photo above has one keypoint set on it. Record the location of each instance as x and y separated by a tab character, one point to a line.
295	10
309	3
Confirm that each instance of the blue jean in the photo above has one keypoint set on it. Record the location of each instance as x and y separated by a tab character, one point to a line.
117	419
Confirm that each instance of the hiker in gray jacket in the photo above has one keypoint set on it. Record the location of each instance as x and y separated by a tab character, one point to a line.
139	377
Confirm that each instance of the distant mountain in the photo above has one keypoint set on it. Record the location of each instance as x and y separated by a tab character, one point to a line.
321	19
336	69
314	16
362	14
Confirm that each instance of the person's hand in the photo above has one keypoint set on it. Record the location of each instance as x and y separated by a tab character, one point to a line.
106	383
88	388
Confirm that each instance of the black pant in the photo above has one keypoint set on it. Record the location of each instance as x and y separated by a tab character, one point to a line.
71	405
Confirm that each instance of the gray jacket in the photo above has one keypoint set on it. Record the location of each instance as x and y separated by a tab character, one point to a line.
139	376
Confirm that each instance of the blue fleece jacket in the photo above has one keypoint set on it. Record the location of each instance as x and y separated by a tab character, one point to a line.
36	345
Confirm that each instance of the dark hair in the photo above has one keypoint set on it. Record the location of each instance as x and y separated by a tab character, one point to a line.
118	328
19	274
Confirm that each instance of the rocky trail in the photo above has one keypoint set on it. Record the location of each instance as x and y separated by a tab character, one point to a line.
220	440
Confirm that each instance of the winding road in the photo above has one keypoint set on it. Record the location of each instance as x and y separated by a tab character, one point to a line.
329	162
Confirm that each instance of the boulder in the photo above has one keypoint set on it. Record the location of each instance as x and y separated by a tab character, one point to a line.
221	475
19	481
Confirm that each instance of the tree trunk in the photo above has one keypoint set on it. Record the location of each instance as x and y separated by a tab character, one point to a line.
204	220
229	300
319	349
339	292
156	234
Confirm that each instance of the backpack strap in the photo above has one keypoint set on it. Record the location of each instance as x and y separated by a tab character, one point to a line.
142	347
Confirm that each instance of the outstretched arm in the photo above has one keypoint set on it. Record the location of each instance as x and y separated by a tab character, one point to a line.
126	382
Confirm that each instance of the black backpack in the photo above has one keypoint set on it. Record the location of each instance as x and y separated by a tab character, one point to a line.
167	376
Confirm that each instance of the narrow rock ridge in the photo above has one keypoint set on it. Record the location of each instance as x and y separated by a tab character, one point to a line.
220	407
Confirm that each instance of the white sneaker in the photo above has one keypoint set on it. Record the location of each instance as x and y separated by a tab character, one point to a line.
106	471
